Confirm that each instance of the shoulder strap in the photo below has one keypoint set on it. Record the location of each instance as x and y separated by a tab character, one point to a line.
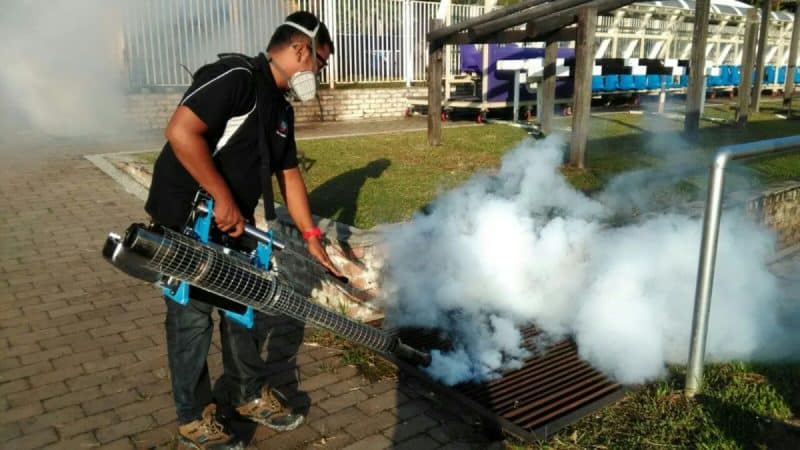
236	60
259	64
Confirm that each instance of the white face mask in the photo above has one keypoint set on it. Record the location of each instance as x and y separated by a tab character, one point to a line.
304	84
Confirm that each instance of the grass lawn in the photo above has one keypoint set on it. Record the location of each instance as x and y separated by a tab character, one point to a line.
364	181
622	141
376	179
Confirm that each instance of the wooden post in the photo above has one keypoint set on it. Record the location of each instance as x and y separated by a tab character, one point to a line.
584	61
547	88
746	81
435	57
791	65
697	67
763	33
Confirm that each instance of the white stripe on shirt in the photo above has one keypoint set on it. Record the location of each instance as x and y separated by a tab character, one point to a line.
231	126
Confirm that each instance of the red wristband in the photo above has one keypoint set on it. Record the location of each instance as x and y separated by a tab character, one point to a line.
312	232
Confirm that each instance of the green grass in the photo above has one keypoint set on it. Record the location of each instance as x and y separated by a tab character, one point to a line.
384	178
368	180
621	141
743	406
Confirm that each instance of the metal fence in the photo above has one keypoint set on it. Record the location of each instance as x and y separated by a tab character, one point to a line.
379	41
376	41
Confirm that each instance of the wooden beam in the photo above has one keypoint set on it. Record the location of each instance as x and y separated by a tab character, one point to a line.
547	88
546	24
791	64
748	54
560	35
584	61
435	60
447	32
504	37
539	29
554	7
697	65
763	33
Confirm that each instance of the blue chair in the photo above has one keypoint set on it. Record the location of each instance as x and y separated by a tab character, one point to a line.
653	82
640	82
769	74
626	83
713	81
782	75
683	81
736	75
597	83
725	75
797	75
611	83
669	82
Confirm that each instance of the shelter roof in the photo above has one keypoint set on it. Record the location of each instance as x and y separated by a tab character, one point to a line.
730	7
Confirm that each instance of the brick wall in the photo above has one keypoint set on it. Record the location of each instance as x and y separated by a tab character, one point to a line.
151	110
779	208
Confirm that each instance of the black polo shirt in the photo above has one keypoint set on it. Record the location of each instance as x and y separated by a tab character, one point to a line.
223	95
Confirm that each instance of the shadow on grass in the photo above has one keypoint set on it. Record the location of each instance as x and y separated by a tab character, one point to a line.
655	145
743	405
337	198
634	127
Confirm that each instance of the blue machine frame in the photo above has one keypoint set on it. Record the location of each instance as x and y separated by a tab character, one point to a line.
201	230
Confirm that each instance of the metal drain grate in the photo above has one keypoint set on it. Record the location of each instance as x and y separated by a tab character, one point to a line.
551	390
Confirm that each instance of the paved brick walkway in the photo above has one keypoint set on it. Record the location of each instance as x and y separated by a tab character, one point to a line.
82	354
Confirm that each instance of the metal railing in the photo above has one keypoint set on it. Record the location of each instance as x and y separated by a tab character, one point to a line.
708	246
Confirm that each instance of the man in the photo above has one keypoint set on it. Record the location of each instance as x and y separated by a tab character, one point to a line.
232	130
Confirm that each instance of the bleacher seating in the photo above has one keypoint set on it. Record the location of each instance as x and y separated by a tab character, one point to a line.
597	83
736	75
769	74
640	82
611	83
729	76
653	82
626	83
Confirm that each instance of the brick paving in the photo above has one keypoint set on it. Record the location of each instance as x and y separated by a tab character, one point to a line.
82	351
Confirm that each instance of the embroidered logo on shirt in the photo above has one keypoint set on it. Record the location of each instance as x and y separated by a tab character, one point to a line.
283	129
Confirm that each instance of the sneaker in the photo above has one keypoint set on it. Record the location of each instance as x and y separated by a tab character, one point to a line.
207	434
269	410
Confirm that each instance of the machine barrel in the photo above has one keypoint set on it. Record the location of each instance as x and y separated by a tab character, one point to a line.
164	251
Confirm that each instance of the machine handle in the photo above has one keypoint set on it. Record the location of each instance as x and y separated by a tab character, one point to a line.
249	230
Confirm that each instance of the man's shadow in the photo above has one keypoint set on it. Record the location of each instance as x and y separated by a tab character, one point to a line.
337	198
